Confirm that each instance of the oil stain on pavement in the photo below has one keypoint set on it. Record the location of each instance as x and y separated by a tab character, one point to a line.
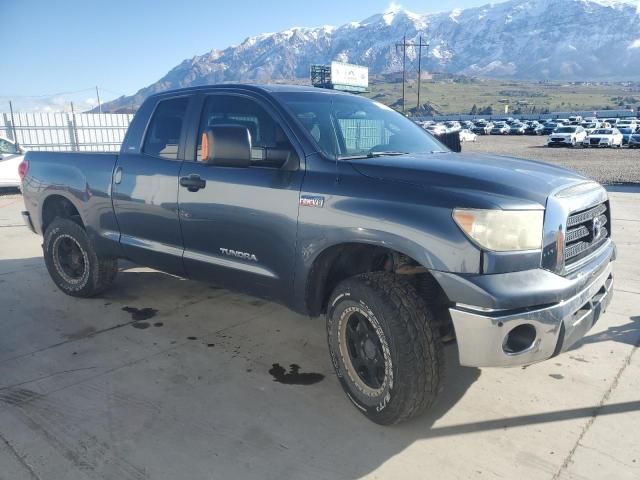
293	376
140	313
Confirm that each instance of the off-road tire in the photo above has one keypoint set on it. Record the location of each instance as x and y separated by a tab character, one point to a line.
409	339
98	273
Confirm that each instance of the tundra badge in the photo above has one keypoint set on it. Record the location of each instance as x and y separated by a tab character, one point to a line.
242	255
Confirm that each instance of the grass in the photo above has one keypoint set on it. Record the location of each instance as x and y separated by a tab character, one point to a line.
449	97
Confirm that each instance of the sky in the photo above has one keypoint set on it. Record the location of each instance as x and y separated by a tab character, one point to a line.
56	51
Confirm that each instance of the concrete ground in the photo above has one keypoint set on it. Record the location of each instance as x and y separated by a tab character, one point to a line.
89	392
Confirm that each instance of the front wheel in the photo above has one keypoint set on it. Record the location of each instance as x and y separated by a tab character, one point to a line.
385	348
72	262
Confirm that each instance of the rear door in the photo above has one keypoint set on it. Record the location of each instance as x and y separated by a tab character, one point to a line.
240	229
145	190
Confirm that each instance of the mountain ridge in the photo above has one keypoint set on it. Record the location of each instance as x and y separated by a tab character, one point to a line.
517	39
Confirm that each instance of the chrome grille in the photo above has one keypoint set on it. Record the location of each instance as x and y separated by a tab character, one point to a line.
586	231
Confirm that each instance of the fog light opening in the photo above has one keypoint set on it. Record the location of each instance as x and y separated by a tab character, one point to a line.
520	339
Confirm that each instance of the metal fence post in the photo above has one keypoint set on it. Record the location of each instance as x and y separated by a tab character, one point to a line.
8	127
73	131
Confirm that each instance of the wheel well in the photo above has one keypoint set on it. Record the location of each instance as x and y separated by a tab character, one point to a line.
343	261
57	206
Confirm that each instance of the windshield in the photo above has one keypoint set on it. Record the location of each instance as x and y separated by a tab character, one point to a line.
566	130
603	132
347	127
625	130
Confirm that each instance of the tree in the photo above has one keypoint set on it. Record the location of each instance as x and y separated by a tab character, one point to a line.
474	110
487	110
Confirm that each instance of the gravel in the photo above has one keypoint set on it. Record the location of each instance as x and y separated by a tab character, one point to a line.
605	165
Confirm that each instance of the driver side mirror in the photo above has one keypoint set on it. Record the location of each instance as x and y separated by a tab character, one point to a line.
226	146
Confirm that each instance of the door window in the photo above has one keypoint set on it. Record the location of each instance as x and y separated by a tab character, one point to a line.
269	145
163	135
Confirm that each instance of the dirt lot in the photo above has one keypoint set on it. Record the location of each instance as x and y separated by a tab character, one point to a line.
606	165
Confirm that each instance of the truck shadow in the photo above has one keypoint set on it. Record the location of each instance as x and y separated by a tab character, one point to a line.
628	333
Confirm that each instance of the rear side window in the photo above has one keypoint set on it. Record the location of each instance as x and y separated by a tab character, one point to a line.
163	135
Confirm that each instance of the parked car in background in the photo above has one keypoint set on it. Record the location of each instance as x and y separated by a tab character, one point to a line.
634	141
549	127
534	128
626	134
517	129
627	123
500	129
575	119
453	126
467	135
482	128
567	136
591	126
436	129
604	137
11	155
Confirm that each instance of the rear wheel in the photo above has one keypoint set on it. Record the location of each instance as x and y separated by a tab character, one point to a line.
72	262
385	347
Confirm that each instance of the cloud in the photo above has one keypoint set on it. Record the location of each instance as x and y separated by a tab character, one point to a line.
54	103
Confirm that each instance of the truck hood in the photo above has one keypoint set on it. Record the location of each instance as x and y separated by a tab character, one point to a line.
473	180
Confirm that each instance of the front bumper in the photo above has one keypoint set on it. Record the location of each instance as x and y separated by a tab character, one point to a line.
483	334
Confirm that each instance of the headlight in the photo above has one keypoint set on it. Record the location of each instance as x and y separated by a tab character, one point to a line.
502	230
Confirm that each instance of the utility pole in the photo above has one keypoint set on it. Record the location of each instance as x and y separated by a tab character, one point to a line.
420	45
99	104
404	63
404	46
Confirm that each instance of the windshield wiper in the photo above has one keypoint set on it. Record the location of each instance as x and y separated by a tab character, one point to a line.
372	155
389	153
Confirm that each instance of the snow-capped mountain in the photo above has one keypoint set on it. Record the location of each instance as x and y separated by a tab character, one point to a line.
529	39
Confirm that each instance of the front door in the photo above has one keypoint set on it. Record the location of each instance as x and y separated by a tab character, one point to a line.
240	228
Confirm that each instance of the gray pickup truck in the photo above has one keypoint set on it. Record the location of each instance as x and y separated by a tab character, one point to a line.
334	204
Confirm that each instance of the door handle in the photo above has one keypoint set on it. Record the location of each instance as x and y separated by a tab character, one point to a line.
193	182
117	176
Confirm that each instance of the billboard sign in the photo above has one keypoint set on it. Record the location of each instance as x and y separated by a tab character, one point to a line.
349	75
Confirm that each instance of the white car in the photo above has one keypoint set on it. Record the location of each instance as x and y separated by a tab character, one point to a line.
467	136
437	129
604	137
591	126
11	155
567	136
627	123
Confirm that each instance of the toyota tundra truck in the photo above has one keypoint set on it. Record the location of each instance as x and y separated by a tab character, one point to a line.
337	206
